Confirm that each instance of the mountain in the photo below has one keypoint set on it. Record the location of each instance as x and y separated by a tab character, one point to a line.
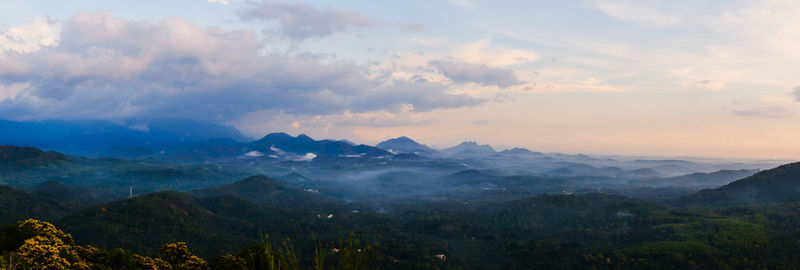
468	149
769	187
210	225
146	222
698	180
15	157
16	205
294	178
640	173
282	143
64	193
348	142
405	145
106	138
579	169
264	190
520	151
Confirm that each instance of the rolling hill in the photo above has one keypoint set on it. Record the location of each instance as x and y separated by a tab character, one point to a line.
263	190
769	187
213	225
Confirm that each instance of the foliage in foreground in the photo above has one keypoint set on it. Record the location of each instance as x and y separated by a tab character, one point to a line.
40	245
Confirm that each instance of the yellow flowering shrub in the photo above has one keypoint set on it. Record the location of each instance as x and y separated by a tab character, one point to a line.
48	247
32	227
181	258
147	263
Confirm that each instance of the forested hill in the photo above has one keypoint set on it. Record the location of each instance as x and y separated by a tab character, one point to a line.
15	157
264	190
769	187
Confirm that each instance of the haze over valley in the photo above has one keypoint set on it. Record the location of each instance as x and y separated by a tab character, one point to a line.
445	134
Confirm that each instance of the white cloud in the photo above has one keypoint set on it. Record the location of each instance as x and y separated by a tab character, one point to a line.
484	52
42	32
306	157
462	3
254	154
649	12
224	2
175	68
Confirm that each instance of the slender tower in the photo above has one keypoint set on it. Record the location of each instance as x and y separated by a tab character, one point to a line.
130	189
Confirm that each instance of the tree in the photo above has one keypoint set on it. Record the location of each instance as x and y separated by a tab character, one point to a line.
181	258
48	247
231	262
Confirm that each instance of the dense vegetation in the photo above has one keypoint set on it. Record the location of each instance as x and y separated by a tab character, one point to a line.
483	220
549	231
34	244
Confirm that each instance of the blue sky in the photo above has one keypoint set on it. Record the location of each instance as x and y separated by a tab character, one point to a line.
710	78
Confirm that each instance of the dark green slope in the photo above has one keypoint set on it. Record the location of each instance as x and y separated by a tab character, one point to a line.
16	205
65	193
264	190
770	187
213	225
27	157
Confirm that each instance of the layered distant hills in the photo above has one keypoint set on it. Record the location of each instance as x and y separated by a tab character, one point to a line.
483	209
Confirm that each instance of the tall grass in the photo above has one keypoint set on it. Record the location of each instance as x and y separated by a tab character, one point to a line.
9	261
346	254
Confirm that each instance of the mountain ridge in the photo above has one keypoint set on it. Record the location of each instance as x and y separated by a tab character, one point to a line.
406	145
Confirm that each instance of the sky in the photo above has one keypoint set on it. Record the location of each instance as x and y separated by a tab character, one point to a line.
624	77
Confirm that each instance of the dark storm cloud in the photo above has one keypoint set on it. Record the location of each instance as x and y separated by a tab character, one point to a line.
462	72
107	67
301	21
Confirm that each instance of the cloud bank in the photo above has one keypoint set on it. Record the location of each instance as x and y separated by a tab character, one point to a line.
301	21
106	67
463	72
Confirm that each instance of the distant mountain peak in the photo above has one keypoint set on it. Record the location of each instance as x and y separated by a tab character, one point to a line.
469	148
276	135
519	150
305	145
406	145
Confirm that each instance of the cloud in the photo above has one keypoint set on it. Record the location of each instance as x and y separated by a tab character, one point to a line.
414	27
42	32
12	91
797	93
463	72
484	52
254	154
769	112
224	2
649	12
301	21
107	67
462	3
